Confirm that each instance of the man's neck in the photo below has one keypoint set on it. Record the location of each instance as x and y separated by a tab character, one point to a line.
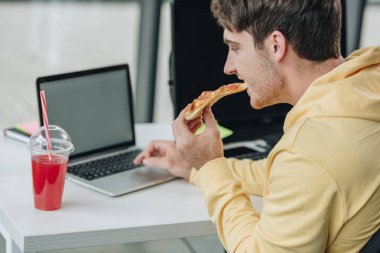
301	73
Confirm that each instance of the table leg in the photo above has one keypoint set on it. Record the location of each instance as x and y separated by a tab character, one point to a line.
10	244
6	236
13	248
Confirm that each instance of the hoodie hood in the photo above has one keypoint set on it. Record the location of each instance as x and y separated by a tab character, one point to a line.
351	90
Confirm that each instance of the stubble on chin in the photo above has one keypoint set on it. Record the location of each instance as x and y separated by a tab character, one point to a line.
258	106
268	86
256	103
264	99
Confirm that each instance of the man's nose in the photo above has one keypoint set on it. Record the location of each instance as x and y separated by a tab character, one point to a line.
229	67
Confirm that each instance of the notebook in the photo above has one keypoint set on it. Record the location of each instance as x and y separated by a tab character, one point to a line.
95	107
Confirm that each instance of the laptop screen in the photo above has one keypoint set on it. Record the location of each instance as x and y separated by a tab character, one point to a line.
94	107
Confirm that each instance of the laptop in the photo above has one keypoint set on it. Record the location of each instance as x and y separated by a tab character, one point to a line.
95	107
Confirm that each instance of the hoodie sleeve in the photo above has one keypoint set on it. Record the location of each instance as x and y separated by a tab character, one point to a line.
251	174
296	213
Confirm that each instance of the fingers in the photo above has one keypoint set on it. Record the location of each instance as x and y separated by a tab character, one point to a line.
155	162
140	157
209	119
180	128
196	127
152	149
195	124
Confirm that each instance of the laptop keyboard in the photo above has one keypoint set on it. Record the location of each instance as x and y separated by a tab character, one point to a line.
255	155
269	140
123	162
105	166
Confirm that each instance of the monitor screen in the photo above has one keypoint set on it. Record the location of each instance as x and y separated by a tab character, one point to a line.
94	107
198	57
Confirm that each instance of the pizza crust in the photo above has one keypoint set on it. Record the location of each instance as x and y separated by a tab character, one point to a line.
208	98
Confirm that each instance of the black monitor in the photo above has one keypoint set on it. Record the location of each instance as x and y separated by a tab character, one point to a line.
352	19
197	62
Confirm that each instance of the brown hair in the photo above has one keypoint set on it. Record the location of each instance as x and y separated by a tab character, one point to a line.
312	27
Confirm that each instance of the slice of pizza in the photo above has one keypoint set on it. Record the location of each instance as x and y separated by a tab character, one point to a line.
195	109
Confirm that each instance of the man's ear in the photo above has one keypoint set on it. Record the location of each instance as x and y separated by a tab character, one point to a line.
277	46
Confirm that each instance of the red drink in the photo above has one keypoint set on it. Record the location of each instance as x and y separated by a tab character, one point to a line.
48	180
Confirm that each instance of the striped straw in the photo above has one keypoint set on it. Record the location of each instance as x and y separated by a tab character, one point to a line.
46	122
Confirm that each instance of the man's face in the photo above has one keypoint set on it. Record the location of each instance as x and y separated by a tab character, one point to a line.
253	67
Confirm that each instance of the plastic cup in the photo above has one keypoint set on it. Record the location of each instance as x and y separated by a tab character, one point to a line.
49	166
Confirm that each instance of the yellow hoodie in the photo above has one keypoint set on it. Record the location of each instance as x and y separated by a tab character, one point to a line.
320	183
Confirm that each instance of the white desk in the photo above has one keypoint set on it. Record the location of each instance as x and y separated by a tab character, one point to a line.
170	210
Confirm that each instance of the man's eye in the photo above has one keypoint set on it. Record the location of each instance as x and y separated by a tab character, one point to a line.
234	49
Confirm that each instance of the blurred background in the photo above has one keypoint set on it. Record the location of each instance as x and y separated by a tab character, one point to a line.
51	37
41	38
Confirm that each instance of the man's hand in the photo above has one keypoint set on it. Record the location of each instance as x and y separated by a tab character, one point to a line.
164	154
198	149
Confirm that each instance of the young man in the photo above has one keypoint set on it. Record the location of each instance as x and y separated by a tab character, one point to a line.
320	184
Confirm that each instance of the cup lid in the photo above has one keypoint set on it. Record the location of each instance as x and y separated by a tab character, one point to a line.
59	139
